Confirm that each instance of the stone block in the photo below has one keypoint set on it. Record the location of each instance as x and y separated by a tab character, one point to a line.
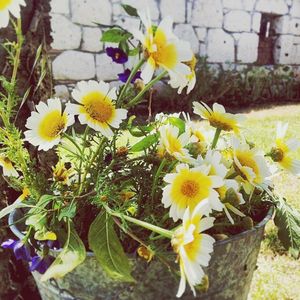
233	4
201	34
237	21
284	50
106	69
89	12
295	26
128	23
186	32
256	19
65	34
144	4
207	13
282	25
74	65
91	39
60	6
295	9
220	46
249	4
247	47
272	6
173	8
61	91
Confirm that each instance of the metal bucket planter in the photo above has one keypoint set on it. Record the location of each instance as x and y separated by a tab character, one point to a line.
230	272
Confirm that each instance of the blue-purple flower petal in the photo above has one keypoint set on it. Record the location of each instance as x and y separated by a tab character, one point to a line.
117	55
40	264
22	251
125	75
9	244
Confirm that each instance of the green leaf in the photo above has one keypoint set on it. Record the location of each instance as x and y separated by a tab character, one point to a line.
67	212
72	255
287	219
130	10
115	35
134	51
7	210
145	143
108	250
178	123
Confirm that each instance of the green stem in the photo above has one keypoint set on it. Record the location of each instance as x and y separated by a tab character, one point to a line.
156	177
82	154
216	138
164	232
136	99
132	74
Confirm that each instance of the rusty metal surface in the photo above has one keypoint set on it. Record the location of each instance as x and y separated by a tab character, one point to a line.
230	273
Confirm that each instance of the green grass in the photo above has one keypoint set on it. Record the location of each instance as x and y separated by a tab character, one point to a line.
278	275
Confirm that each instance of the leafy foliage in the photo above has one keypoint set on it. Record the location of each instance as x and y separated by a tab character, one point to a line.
287	219
108	250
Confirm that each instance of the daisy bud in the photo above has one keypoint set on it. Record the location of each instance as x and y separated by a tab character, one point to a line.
232	197
247	223
276	154
145	252
122	151
139	84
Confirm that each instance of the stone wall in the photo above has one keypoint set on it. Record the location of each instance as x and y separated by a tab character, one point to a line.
226	31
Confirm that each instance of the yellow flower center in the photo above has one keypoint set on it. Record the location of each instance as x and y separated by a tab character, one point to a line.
165	54
277	154
98	106
220	121
4	4
189	188
52	125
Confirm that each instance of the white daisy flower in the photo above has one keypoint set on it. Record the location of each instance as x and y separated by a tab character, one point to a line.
193	246
47	124
188	187
96	107
218	117
251	165
163	49
9	6
8	168
174	144
281	152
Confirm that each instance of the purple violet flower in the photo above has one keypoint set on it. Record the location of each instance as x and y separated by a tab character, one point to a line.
117	55
21	250
40	264
124	76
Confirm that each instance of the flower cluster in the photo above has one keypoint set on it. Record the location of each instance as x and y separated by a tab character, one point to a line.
167	184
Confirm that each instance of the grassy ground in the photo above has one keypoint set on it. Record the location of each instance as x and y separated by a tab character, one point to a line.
278	275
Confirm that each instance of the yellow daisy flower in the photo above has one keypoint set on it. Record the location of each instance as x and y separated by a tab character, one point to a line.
9	6
188	187
281	152
163	49
218	117
251	165
96	107
174	144
8	168
47	124
193	246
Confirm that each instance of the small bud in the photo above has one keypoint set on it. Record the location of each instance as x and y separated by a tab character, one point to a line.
126	195
122	151
276	154
103	198
247	223
220	236
232	197
132	210
145	252
204	285
139	84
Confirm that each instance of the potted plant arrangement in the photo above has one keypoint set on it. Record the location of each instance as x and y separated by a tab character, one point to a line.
136	210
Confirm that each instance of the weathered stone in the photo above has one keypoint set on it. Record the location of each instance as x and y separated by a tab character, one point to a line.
186	32
295	26
73	65
201	33
174	8
207	13
282	25
237	21
65	34
272	6
106	69
256	19
295	9
233	4
249	4
89	12
247	47
128	23
220	46
189	8
91	39
284	50
61	91
60	6
143	4
202	49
